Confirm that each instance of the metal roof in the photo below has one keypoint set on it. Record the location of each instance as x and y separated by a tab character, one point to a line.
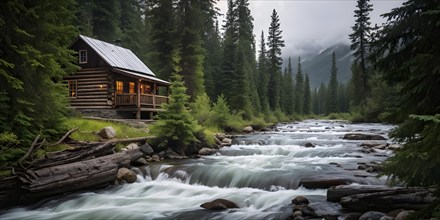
143	76
116	56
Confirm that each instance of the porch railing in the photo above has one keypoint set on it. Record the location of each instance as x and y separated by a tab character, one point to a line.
149	100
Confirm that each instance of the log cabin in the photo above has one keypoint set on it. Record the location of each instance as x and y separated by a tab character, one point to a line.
113	82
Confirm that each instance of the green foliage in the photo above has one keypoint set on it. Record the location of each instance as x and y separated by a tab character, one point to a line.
34	60
10	150
87	129
263	76
332	101
307	106
274	43
299	89
201	109
417	163
175	126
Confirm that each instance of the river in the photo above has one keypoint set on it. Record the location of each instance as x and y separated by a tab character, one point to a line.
261	173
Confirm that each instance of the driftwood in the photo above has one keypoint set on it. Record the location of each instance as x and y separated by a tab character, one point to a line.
86	166
380	198
64	137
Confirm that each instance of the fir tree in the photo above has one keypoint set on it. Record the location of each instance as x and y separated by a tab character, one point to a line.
360	39
162	37
333	87
408	53
175	126
105	20
190	46
307	107
132	28
274	43
213	62
34	58
322	95
289	89
299	89
263	75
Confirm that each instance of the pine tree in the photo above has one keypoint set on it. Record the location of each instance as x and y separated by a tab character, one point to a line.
322	95
105	20
299	89
307	97
288	89
263	76
132	28
213	62
175	126
408	54
315	102
189	26
360	43
274	43
342	98
34	58
333	87
162	37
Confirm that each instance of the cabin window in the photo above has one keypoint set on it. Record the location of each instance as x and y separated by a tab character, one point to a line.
83	56
73	89
131	87
119	87
145	89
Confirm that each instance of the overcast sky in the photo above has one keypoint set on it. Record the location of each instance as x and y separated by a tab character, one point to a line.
311	25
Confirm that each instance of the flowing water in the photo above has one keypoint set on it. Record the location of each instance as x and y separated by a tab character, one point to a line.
261	173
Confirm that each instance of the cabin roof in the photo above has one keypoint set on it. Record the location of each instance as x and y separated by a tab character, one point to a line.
116	56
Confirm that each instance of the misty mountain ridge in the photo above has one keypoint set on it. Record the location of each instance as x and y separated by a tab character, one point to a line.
317	65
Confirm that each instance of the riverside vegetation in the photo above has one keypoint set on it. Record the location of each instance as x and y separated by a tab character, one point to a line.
395	73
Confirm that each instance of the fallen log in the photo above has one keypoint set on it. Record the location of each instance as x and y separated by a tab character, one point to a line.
386	200
335	193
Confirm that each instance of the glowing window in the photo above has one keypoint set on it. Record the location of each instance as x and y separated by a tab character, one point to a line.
72	84
131	87
119	87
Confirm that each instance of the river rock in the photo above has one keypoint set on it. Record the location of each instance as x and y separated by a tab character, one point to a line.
308	144
126	175
352	216
139	162
372	215
219	204
131	147
335	193
248	129
395	212
227	142
155	158
323	182
371	144
107	132
300	200
386	218
394	147
220	136
403	215
359	136
206	151
146	149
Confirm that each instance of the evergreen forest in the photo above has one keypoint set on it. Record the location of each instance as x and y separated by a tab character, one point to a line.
224	74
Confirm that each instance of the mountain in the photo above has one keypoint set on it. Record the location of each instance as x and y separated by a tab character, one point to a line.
318	65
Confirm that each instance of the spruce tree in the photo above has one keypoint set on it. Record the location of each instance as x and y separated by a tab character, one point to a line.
299	89
360	43
105	20
333	87
132	28
408	53
289	89
162	37
307	107
263	75
190	27
322	96
274	43
34	57
213	62
176	127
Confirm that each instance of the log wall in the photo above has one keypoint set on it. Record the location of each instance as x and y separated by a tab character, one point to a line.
93	89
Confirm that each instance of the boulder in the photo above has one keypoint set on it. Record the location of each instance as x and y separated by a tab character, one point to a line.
219	204
372	215
395	212
308	144
352	216
139	162
220	136
146	149
386	218
206	151
371	144
155	158
227	142
126	175
334	194
403	215
107	132
131	147
359	136
300	200
248	129
394	147
323	182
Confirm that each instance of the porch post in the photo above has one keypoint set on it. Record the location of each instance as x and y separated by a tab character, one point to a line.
138	113
154	95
